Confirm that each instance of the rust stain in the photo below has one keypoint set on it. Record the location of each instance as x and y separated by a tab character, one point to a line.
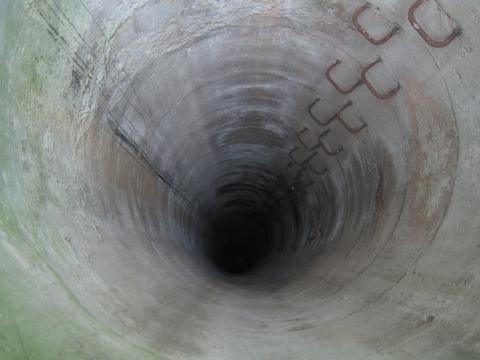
434	155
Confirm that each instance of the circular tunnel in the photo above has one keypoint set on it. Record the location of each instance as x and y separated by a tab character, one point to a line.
239	179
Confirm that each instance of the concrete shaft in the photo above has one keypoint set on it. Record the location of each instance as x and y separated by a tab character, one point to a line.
239	179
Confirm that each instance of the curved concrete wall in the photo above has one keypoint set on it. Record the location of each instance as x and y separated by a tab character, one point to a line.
192	180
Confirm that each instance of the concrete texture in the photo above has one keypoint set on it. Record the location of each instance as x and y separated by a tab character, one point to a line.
138	138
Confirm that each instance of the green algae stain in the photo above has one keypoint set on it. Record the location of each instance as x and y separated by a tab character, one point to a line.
40	317
35	71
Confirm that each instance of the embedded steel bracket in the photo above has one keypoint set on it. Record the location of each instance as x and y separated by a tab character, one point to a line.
339	89
296	178
338	115
310	111
305	145
315	171
372	88
299	162
321	143
309	165
418	28
395	30
326	147
297	175
310	108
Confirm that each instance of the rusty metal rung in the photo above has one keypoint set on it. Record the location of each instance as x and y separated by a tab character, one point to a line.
299	162
337	115
337	87
372	88
395	30
310	108
419	29
298	173
315	171
353	130
326	147
296	178
321	143
305	145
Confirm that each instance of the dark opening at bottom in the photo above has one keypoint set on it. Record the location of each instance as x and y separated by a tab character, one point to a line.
239	242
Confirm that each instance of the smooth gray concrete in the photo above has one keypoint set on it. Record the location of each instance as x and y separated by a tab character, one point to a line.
151	207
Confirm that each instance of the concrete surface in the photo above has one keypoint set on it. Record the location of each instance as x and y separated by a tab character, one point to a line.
150	206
